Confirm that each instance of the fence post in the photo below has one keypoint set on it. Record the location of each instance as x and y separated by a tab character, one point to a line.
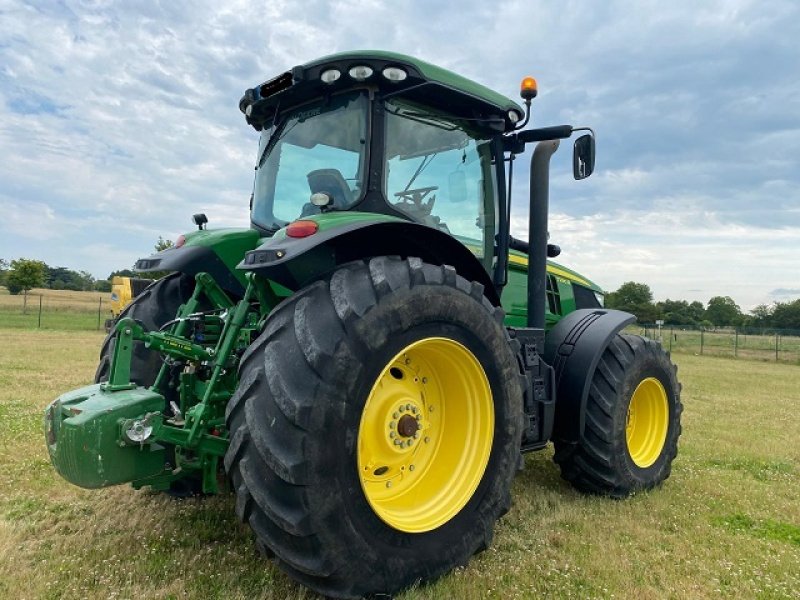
99	310
39	325
702	331
776	346
736	343
671	335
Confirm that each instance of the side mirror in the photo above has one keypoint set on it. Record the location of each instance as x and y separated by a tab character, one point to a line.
457	186
583	157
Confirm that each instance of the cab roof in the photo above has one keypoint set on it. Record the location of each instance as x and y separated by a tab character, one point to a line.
424	83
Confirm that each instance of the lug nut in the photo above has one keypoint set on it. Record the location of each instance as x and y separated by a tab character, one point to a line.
410	467
392	434
424	380
427	439
392	424
395	415
388	484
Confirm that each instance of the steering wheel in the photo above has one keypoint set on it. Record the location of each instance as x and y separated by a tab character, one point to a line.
414	198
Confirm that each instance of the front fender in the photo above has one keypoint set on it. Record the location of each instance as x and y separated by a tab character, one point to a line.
573	348
216	252
295	262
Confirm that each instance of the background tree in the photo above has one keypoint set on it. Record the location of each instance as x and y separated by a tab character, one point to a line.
3	270
24	275
680	312
121	273
635	298
722	311
786	315
761	316
163	244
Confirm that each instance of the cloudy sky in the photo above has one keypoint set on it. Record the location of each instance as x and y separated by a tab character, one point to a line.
118	120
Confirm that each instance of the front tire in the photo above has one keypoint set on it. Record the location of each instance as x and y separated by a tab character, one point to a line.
328	454
632	422
156	305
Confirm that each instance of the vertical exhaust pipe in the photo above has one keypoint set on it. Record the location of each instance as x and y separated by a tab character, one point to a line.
537	231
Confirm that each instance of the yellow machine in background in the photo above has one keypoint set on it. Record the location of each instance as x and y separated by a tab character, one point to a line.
123	290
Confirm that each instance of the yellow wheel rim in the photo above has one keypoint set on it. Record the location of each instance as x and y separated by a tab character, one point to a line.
647	422
425	435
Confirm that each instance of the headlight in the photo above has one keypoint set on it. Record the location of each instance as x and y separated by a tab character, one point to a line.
360	72
394	74
330	75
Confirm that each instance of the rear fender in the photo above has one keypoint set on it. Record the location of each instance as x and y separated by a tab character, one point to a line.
573	348
295	262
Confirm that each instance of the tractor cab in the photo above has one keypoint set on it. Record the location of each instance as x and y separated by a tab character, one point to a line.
380	133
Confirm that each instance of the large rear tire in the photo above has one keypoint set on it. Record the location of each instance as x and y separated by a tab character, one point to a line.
632	422
375	431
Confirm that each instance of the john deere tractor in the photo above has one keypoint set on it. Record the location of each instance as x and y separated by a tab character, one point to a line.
367	363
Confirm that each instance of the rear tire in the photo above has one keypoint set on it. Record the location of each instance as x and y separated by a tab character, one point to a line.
632	422
314	408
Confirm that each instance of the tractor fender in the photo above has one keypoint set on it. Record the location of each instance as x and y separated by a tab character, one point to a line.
215	252
573	348
296	262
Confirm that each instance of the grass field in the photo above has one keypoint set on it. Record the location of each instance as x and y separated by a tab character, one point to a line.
726	524
783	347
60	309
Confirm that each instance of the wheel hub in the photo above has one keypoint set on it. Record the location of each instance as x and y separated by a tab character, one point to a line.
407	426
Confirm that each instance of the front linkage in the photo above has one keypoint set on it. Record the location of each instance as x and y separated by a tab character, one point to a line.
117	431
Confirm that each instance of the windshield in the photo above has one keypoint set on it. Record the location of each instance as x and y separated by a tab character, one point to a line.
440	173
320	147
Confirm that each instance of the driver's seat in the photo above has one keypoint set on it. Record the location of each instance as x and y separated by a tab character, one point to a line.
332	183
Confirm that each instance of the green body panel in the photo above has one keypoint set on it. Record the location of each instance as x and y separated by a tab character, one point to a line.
515	294
83	430
228	244
431	73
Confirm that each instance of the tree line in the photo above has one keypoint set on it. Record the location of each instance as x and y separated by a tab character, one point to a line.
720	311
24	274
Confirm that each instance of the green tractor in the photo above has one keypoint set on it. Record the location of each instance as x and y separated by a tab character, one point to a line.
366	364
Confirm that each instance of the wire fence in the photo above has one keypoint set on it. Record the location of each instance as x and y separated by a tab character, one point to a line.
782	345
53	309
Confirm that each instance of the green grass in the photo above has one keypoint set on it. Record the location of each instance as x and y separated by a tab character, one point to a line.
726	524
727	343
54	310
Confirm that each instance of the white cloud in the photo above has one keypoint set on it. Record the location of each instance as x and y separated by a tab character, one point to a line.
118	121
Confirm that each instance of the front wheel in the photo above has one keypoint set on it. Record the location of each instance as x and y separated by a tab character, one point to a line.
633	422
375	431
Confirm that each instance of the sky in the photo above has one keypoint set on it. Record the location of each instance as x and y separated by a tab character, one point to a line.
119	120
